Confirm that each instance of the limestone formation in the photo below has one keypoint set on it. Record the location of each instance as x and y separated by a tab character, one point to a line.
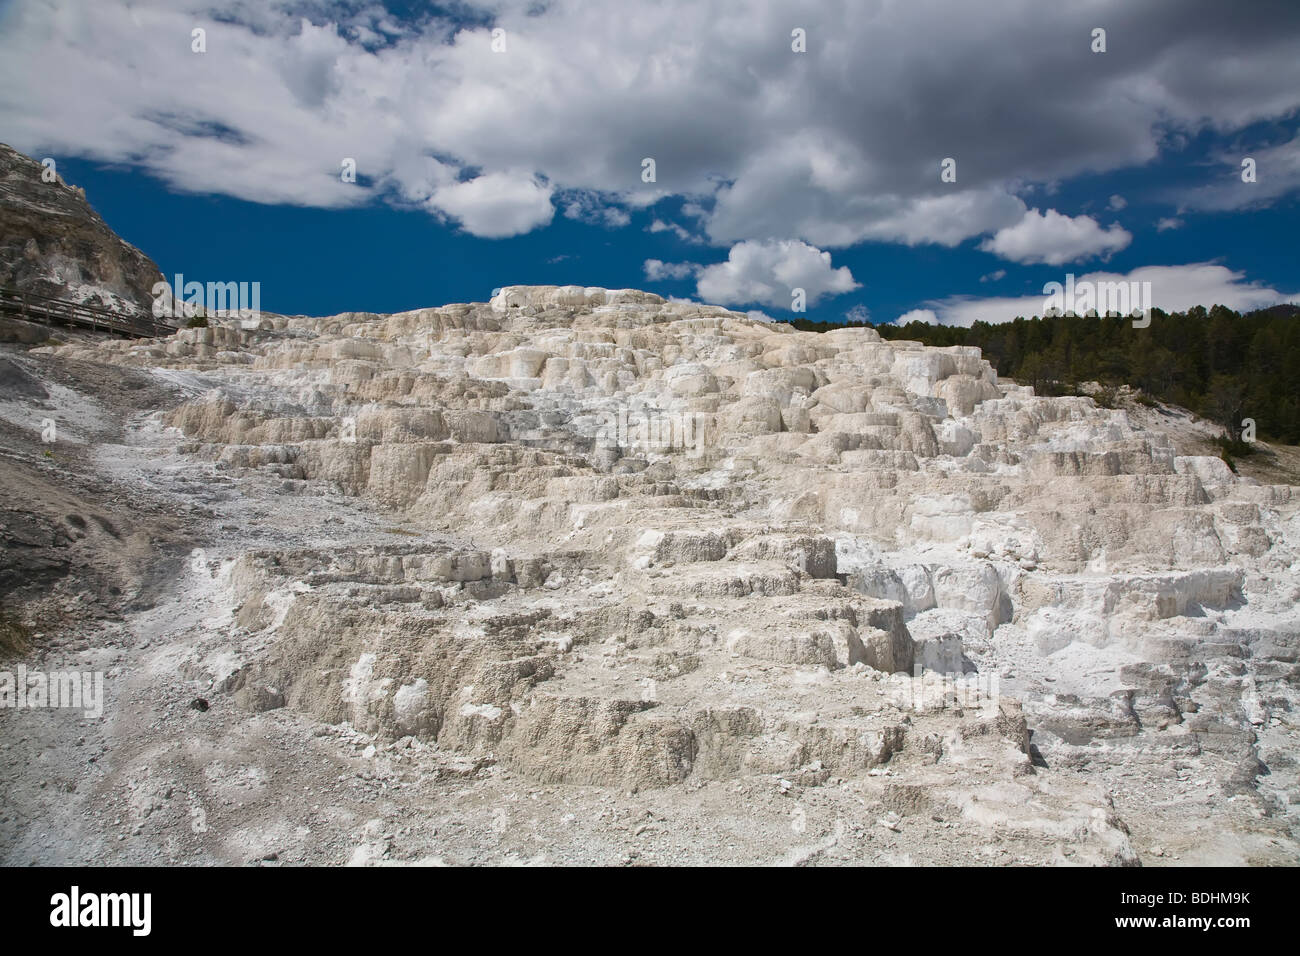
640	544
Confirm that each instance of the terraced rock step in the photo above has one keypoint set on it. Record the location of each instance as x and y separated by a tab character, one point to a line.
654	547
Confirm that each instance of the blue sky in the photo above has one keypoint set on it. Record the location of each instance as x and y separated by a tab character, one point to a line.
775	169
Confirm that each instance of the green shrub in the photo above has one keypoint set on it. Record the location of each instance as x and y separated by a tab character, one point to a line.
1235	446
1106	397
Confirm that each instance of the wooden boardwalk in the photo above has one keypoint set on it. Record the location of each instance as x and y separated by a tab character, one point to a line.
52	311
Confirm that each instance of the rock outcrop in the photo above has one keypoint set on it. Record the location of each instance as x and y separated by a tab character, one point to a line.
53	243
643	544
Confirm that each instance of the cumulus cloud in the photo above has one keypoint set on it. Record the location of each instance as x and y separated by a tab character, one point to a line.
766	272
1169	222
859	313
496	204
918	315
776	198
656	270
764	143
1173	289
1054	239
587	207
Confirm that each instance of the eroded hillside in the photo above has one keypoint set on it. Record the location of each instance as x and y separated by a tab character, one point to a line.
581	575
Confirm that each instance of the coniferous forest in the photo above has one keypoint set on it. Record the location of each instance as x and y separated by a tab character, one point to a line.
1224	365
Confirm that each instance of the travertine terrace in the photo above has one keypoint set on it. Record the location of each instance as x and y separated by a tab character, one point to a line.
626	580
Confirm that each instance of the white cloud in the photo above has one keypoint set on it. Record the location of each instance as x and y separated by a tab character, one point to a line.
1277	174
1169	222
677	230
1117	202
496	204
997	275
656	270
1173	289
774	197
763	143
1055	239
918	315
767	272
589	208
859	313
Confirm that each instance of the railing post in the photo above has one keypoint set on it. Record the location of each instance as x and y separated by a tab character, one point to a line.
54	311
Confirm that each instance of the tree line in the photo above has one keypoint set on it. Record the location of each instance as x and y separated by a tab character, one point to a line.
1224	365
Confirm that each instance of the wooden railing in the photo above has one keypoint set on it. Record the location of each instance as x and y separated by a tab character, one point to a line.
52	311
